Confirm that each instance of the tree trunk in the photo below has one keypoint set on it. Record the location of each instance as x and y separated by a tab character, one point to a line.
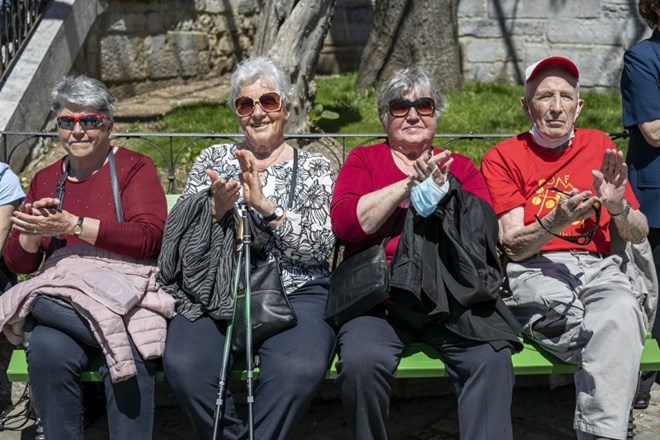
405	33
292	33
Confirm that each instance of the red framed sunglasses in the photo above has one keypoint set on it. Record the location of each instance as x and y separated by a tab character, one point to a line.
87	122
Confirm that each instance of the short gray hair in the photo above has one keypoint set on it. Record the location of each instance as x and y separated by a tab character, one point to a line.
412	79
263	69
82	91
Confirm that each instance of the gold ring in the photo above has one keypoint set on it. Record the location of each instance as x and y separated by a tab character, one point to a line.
35	231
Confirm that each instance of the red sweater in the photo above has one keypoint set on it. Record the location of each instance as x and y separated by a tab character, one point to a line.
143	203
368	169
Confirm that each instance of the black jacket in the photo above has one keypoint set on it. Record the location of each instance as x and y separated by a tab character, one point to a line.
449	261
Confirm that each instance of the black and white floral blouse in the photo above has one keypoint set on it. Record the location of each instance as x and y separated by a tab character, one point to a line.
304	240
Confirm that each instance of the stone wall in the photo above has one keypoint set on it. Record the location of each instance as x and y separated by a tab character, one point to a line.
137	46
140	45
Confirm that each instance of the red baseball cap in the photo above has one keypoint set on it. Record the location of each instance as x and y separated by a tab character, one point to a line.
535	68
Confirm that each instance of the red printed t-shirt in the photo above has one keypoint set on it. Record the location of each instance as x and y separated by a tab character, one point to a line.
520	173
368	169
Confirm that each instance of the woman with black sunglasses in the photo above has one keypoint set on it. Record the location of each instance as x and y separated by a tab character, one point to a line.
97	218
401	190
287	195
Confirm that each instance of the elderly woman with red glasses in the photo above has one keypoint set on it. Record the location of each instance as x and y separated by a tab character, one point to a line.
96	219
432	209
287	197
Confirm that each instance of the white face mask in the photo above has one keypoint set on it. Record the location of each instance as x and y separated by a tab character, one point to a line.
547	142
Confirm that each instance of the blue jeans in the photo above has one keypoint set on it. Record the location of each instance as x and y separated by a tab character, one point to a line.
292	366
56	357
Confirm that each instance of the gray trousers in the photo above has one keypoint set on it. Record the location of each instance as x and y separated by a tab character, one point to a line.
369	349
581	308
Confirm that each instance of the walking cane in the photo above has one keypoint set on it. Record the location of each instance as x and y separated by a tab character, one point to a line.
243	256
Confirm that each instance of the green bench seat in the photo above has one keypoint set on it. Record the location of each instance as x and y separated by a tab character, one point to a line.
417	361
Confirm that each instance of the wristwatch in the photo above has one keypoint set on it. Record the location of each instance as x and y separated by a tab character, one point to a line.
77	229
625	212
276	215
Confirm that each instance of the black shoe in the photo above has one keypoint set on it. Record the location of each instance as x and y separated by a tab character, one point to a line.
642	400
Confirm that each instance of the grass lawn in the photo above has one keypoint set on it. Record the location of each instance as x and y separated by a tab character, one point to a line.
478	109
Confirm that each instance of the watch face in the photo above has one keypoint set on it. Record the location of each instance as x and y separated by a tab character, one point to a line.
279	211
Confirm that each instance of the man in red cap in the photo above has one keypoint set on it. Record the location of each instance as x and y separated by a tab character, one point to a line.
558	191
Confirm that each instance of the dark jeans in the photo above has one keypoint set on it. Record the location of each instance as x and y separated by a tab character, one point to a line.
56	357
369	349
292	366
648	377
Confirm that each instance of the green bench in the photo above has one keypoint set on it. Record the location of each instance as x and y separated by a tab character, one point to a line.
418	360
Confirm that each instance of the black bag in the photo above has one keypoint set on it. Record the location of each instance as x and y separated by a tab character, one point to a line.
357	284
270	309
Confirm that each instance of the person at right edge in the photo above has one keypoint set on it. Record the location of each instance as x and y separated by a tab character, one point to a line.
445	272
562	198
640	91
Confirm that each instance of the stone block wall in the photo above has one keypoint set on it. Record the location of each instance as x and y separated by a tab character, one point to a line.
500	38
140	45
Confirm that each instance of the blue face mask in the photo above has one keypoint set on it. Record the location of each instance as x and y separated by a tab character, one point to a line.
426	196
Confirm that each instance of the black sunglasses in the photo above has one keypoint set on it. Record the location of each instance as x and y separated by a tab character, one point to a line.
87	122
582	239
399	108
269	102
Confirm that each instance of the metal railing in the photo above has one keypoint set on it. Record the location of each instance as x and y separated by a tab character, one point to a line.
17	20
172	151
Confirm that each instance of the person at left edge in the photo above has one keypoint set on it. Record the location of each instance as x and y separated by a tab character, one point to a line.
11	196
95	290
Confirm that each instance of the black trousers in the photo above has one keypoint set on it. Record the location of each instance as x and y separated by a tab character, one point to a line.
369	349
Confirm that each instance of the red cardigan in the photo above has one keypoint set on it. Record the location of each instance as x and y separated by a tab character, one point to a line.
143	203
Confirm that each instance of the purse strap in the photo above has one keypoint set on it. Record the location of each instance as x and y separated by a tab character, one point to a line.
115	186
114	183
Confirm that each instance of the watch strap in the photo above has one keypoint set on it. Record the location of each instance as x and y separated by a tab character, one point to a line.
274	215
625	212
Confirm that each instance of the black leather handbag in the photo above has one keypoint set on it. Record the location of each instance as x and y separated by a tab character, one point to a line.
357	284
270	309
360	282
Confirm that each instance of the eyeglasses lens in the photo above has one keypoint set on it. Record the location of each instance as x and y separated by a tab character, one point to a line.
269	102
400	108
87	122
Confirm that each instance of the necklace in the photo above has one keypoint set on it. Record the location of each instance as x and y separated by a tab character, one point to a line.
282	148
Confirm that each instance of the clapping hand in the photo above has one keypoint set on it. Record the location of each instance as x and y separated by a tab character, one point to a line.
610	181
435	166
42	217
224	194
